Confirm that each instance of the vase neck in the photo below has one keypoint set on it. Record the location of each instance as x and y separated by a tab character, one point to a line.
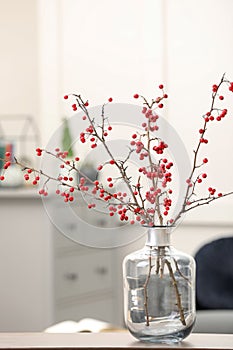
158	236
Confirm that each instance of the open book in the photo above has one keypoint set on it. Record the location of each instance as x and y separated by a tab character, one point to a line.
84	325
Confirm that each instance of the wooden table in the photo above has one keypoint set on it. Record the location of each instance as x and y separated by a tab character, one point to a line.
115	341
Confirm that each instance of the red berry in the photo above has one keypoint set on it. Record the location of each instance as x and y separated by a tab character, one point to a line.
86	104
76	159
110	99
218	118
215	88
205	160
112	161
66	97
199	180
136	96
160	105
109	128
165	95
7	154
219	194
2	177
204	176
221	97
161	86
109	179
134	136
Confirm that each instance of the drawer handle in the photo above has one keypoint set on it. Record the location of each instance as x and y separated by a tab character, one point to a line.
71	226
101	270
71	276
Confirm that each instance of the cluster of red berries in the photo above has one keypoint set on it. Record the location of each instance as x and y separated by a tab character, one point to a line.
36	178
39	152
67	195
212	192
167	205
210	117
43	192
74	106
158	99
6	165
152	195
160	148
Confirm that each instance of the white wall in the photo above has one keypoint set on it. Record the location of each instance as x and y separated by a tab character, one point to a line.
19	73
198	39
18	59
116	48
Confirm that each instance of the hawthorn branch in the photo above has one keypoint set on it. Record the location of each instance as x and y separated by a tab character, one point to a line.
196	151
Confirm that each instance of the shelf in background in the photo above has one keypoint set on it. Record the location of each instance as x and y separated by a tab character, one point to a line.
19	192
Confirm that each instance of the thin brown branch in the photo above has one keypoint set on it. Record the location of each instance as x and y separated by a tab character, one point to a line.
178	296
146	290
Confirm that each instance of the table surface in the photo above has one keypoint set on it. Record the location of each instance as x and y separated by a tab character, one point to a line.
117	340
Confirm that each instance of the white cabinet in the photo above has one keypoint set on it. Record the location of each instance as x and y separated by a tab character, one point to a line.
87	282
83	280
25	262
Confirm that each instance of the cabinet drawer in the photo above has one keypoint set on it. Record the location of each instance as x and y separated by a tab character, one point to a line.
76	275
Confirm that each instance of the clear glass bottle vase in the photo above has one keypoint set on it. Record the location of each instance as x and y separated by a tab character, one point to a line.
159	290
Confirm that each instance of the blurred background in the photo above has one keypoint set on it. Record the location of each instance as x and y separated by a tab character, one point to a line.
103	48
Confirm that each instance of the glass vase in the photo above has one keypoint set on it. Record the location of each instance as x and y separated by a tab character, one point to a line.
159	290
